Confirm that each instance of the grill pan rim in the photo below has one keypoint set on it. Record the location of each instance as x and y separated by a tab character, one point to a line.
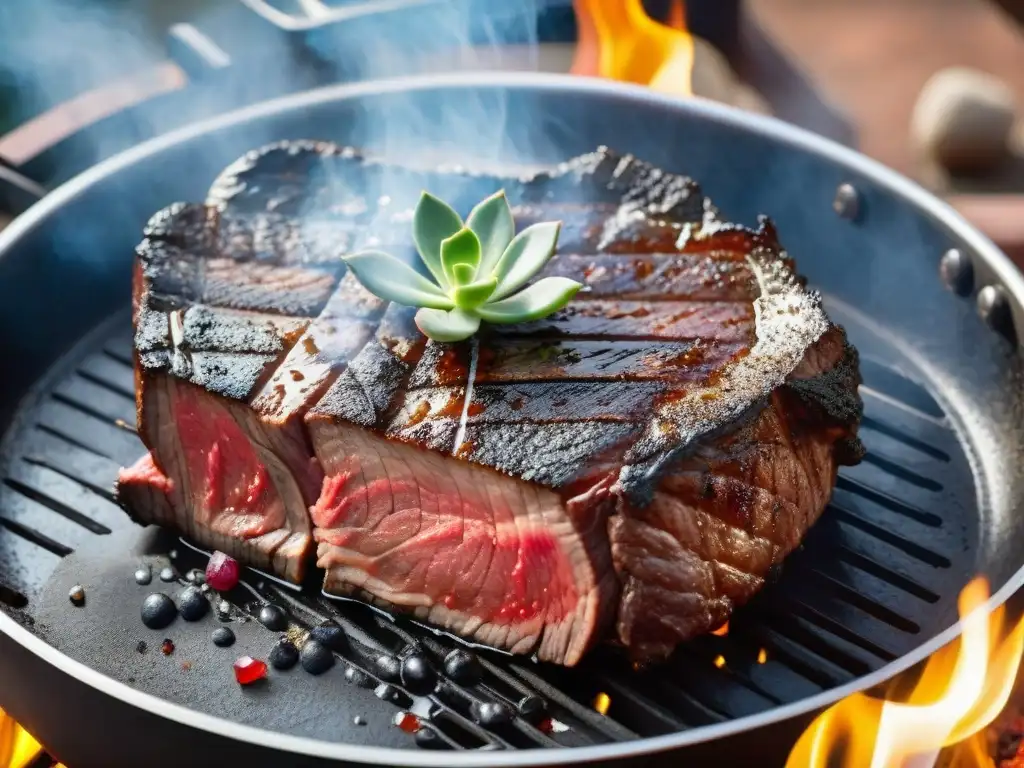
772	129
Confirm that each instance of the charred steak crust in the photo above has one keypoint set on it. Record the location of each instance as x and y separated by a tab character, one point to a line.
640	459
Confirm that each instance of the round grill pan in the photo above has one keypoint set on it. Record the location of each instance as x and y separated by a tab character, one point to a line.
872	591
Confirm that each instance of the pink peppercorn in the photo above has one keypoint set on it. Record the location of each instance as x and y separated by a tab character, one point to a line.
249	670
222	572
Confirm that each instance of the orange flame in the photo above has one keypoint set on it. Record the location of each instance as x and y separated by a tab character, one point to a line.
17	748
618	40
961	690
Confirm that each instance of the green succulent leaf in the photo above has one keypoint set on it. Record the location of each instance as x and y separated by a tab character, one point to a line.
492	222
525	256
462	248
433	221
447	326
463	274
473	295
393	280
480	269
532	303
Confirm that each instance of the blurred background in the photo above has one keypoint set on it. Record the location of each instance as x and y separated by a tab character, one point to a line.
932	88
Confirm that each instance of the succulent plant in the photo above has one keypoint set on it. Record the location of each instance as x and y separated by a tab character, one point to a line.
479	269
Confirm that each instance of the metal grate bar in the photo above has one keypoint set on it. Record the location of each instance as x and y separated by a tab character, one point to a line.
873	428
850	486
87	429
857	560
57	506
110	373
885	380
35	537
853	518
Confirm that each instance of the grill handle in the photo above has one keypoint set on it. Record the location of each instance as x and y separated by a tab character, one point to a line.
17	191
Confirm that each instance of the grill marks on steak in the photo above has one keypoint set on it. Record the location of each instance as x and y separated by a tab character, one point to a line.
219	303
641	458
721	517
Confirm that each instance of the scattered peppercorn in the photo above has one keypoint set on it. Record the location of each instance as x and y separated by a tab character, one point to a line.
532	708
315	658
168	575
144	575
463	667
273	618
417	675
493	713
223	637
284	654
388	668
158	610
77	595
192	605
141	646
167	647
329	634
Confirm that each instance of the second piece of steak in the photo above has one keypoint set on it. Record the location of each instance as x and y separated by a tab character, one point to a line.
638	460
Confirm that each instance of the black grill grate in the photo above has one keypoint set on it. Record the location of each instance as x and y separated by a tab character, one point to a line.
875	578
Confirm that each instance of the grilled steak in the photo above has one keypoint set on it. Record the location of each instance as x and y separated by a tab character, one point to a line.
632	465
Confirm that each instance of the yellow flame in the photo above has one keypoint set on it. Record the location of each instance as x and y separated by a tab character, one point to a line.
17	747
721	631
719	661
961	690
633	47
601	703
762	656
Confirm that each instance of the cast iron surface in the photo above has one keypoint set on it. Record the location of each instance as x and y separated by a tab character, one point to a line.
874	589
880	572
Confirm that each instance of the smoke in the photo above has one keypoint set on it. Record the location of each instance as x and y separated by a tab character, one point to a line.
54	50
470	128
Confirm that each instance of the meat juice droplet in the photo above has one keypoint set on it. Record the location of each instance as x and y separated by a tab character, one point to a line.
249	670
